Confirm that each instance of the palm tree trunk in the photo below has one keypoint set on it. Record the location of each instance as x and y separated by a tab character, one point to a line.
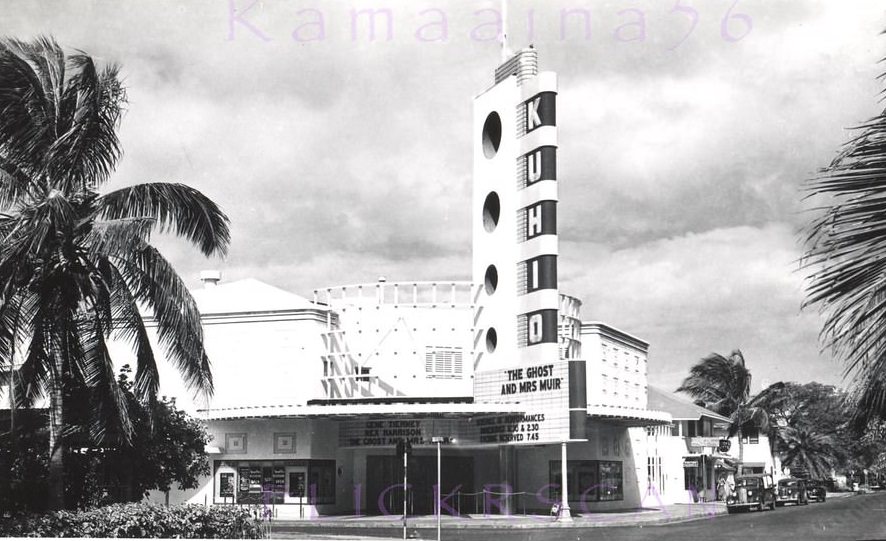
56	448
740	452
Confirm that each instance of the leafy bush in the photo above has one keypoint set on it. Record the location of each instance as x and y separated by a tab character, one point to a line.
139	520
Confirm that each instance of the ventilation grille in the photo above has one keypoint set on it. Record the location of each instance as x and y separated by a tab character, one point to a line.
443	361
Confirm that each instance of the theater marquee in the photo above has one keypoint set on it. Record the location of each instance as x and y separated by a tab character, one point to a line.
542	389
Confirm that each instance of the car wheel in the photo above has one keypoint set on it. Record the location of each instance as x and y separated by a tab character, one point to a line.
777	504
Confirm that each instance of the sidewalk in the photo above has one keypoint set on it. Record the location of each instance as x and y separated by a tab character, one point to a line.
666	514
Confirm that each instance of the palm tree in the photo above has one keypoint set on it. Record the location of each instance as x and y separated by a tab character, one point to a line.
76	265
804	450
723	385
846	256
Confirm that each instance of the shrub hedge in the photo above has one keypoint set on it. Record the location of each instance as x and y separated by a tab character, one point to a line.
139	520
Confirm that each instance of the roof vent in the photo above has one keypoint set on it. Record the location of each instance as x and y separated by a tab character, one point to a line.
210	278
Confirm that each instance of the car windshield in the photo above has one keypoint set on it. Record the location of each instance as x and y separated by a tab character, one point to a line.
751	482
788	483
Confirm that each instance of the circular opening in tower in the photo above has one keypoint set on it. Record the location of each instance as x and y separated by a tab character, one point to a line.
491	280
491	211
491	340
491	135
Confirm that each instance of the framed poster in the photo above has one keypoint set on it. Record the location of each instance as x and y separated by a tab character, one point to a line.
226	485
297	484
244	478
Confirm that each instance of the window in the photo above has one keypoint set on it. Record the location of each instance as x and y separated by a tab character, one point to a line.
604	446
443	361
588	480
264	481
611	483
363	373
321	482
654	481
750	435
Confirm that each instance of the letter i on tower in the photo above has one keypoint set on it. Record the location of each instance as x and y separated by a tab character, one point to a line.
515	216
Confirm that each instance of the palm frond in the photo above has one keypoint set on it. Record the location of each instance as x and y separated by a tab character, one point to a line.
110	413
87	150
153	281
846	259
177	208
129	327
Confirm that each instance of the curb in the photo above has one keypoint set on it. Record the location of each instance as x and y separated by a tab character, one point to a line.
502	524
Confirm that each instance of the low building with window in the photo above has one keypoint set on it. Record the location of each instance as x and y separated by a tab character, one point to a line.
690	459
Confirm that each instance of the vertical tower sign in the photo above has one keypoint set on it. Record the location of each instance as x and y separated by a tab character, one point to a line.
515	217
517	357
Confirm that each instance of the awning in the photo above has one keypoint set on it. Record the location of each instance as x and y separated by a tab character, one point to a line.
417	409
628	416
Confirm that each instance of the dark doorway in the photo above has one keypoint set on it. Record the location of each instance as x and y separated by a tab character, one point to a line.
384	483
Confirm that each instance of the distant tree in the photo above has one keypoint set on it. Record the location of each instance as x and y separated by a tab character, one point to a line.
811	407
76	265
804	450
846	258
24	461
867	451
167	449
723	385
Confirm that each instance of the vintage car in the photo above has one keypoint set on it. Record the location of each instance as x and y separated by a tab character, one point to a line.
816	490
752	492
791	490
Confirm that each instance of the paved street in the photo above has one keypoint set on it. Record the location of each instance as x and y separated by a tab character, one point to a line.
854	518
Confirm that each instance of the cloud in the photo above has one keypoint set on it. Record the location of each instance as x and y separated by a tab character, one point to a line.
341	160
693	294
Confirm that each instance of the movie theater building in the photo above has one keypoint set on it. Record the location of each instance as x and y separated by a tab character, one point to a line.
528	405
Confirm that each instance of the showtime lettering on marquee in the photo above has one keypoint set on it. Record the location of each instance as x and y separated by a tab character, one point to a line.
510	428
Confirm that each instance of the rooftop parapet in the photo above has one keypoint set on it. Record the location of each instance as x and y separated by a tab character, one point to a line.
454	294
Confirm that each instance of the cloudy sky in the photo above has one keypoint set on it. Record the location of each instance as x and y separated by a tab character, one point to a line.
686	129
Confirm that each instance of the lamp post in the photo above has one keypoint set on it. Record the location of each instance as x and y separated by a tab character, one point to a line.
438	440
404	447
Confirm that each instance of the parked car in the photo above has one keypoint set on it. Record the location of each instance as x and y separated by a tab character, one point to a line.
816	490
792	490
752	492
